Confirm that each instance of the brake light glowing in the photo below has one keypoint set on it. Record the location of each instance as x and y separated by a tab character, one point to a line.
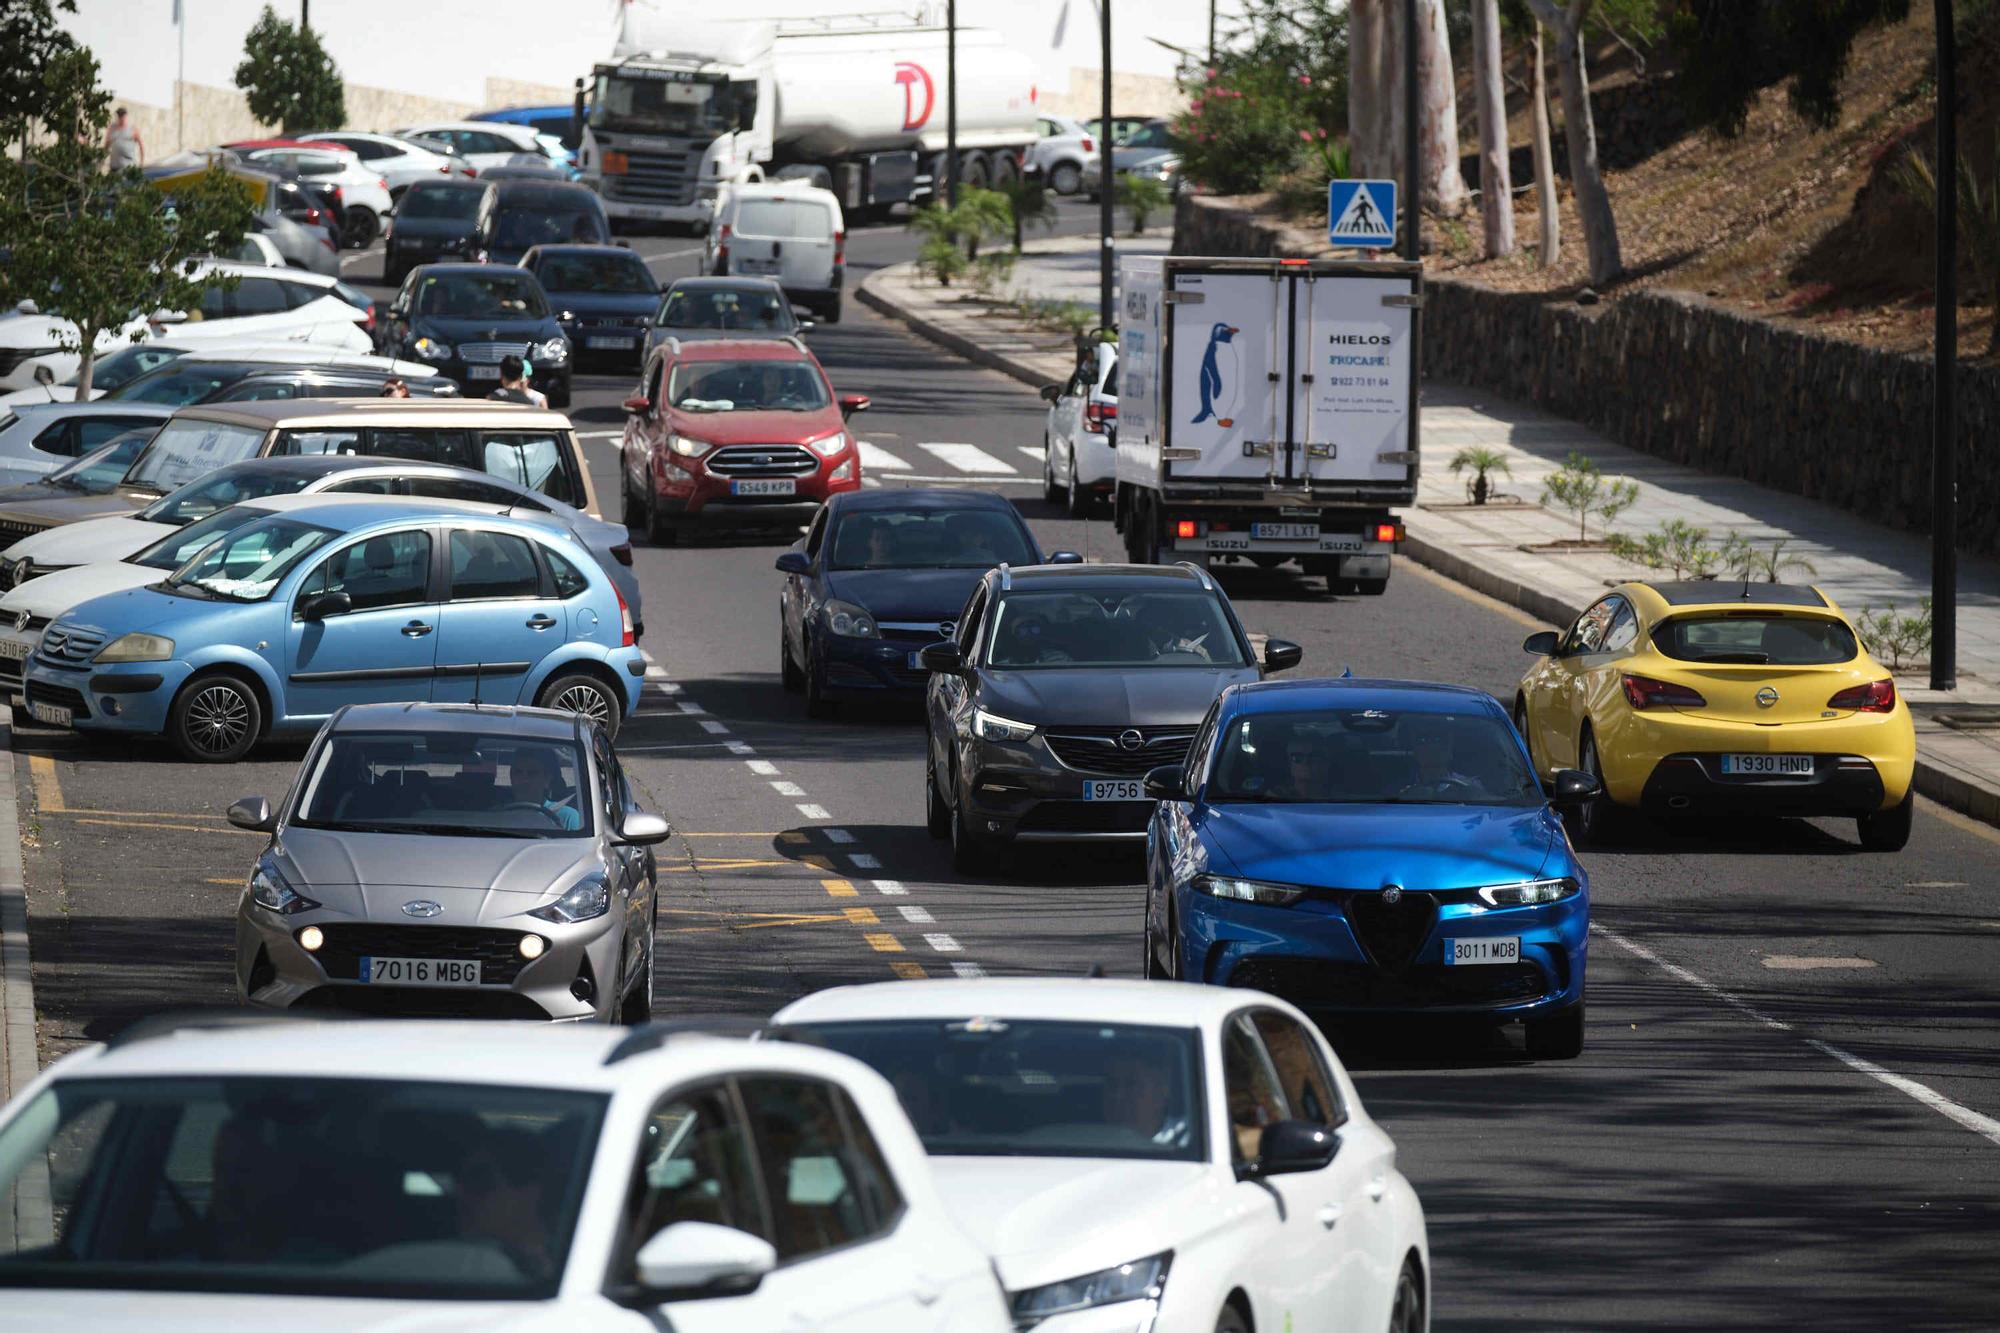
1877	696
624	619
1187	527
839	248
1388	532
722	246
1645	692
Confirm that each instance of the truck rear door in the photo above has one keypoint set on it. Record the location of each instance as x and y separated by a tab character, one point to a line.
1228	346
1350	379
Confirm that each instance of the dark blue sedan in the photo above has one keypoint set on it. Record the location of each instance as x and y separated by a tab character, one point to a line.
604	296
1373	846
879	576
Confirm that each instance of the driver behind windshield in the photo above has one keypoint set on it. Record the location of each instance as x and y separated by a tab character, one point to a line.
535	781
1439	771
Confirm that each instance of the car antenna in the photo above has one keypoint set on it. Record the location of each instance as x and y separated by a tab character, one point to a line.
1746	584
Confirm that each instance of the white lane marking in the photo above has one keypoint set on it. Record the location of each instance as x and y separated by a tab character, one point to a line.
671	254
956	480
839	835
874	458
892	887
600	434
1936	884
666	687
1790	962
662	749
656	676
917	916
814	812
970	971
714	728
763	768
690	707
1034	451
967	458
1984	1126
784	788
943	943
863	861
740	747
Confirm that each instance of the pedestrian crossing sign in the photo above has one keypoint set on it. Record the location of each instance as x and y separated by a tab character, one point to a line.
1361	213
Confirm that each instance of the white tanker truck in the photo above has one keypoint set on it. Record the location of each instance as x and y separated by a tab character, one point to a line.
855	104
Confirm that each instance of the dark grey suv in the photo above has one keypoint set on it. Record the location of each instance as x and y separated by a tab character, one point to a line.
1062	686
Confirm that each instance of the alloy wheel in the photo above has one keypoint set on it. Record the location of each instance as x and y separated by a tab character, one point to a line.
588	700
218	717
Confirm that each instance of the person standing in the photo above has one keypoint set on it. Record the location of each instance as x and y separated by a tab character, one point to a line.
123	148
514	384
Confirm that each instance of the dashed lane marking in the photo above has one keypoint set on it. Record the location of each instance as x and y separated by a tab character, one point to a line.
908	971
968	458
690	707
862	916
874	458
881	941
763	768
1788	962
917	916
714	728
814	812
839	835
943	943
739	747
838	888
784	788
863	861
1033	451
968	970
892	887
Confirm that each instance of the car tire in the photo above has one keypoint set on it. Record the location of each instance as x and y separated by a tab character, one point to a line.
215	719
393	273
789	674
1596	819
1231	1320
971	854
830	308
630	512
937	816
658	531
1051	492
1149	966
361	228
818	706
580	693
1557	1037
1406	1312
1079	502
636	1006
1889	830
1066	179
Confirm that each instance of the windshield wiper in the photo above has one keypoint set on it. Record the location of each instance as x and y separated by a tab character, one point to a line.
463	831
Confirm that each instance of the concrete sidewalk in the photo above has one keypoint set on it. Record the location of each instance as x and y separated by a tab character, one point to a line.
1506	548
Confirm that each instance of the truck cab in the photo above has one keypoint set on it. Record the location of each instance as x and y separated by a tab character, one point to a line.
663	135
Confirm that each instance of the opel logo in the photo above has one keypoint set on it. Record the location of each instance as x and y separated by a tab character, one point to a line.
1392	894
947	628
1131	740
1766	697
21	620
422	907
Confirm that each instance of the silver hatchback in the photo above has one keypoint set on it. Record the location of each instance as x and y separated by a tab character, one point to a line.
453	860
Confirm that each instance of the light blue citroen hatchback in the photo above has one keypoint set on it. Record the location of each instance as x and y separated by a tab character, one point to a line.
344	600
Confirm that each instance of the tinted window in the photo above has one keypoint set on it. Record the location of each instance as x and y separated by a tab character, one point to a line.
59	439
423	445
183	544
184	450
618	271
1380	755
121	367
260	296
748	386
1624	630
1757	640
569	579
1137	629
517	228
727	308
393	569
930	539
180	384
448	783
492	564
249	563
255	391
99	471
429	201
367	149
538	460
314	442
1250	1084
786	219
481	296
1587	635
462	488
202	498
366	486
695	1165
871	1168
809	1172
1302	1074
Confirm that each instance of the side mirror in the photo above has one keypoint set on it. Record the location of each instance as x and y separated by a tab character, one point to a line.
1573	786
318	608
1292	1146
44	376
807	325
1066	558
1164	783
700	1259
1051	393
253	813
640	829
850	403
638	407
566	317
944	658
1281	654
1543	644
794	562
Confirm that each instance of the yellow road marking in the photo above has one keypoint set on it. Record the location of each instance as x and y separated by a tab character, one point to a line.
881	941
232	883
1473	595
177	828
748	920
909	971
734	863
838	888
863	916
48	790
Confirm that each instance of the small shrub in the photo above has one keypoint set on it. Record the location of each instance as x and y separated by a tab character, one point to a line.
1581	488
991	271
1482	462
940	259
1142	196
1770	564
1900	640
1680	548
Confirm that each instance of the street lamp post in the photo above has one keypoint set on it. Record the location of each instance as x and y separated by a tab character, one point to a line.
950	104
1944	434
1410	113
1106	316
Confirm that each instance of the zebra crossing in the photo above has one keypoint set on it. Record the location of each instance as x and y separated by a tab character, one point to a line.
960	462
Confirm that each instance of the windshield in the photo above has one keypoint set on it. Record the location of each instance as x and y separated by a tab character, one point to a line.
931	539
185	450
296	1185
102	468
114	372
727	308
519	228
1757	640
450	202
989	1087
620	273
662	105
1112	629
748	386
201	498
448	783
481	296
182	545
246	565
1372	756
179	384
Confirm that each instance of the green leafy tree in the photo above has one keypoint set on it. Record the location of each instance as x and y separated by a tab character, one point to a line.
1278	87
288	78
1682	549
1903	640
982	217
30	44
1581	488
1029	204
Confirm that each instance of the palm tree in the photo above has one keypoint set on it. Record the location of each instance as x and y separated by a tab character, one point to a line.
1770	565
1482	461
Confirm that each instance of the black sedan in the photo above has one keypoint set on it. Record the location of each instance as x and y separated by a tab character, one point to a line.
702	309
433	220
604	296
464	318
881	574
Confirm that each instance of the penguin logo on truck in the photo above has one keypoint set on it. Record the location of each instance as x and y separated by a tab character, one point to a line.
1217	393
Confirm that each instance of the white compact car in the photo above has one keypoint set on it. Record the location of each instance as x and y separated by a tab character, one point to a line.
236	1173
363	192
482	143
1066	154
786	230
1080	461
1149	1157
401	162
36	438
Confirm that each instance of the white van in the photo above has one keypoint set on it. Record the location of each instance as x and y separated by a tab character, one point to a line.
786	230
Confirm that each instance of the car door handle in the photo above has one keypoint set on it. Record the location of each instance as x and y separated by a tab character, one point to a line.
541	622
1378	1187
926	1289
1328	1215
416	629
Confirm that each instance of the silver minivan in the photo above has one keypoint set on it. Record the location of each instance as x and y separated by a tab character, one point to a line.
786	230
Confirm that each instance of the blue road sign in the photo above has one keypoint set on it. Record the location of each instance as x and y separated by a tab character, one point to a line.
1361	213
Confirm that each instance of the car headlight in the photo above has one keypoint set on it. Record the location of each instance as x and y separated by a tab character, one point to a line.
1529	893
137	648
1140	1280
681	444
430	349
588	897
555	349
993	727
828	446
1248	890
270	890
849	621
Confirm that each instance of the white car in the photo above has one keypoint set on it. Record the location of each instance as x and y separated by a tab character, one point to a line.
1145	1156
400	162
1080	458
244	1174
786	230
128	363
362	192
482	143
38	437
1066	154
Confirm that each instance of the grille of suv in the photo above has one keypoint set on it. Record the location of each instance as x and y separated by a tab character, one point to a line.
762	460
1100	749
1391	932
1312	983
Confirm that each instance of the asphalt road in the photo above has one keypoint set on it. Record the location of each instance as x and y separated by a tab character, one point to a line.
1775	1123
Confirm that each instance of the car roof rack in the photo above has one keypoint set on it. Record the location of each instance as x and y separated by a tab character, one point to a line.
1198	572
650	1037
154	1026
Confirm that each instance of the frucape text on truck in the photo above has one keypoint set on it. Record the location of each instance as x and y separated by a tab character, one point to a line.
1268	412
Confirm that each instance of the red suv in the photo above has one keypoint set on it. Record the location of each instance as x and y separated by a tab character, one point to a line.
734	435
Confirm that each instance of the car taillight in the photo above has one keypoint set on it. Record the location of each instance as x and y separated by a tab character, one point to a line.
1388	532
839	248
624	619
1187	527
1877	696
381	182
622	553
444	168
1088	146
1097	414
338	197
1645	692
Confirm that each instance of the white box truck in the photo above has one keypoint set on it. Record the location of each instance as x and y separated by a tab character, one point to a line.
1268	412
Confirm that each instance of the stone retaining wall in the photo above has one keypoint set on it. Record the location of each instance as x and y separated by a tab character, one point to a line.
1674	375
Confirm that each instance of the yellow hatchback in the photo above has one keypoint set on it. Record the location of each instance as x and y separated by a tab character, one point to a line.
1720	698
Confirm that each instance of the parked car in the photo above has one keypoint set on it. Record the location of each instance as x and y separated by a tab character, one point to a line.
1060	688
697	308
465	319
480	143
1149	151
223	378
734	435
605	296
555	125
1065	155
517	215
785	230
1122	127
108	372
75	482
38	437
1080	438
355	609
309	247
378	1176
363	192
878	576
256	248
1185	1159
434	219
400	162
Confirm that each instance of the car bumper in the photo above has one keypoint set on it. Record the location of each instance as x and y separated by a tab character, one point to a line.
701	500
867	667
1863	762
1313	955
572	980
1020	792
622	342
129	697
